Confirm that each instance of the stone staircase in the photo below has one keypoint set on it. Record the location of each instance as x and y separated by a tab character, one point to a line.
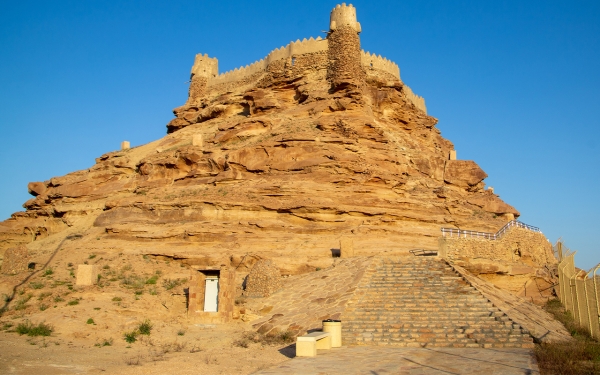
422	301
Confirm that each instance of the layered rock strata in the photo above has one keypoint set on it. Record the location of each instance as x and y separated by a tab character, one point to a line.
317	141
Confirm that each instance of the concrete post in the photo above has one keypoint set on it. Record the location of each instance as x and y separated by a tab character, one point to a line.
346	248
87	274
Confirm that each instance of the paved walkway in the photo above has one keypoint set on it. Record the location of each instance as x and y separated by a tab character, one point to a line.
414	361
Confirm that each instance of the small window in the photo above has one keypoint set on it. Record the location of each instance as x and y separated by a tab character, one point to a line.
293	61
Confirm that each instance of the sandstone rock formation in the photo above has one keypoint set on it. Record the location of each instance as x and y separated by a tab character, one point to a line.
317	141
520	261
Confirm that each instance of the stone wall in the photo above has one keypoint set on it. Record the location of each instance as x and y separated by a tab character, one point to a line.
205	66
15	260
344	15
342	47
381	63
345	55
292	50
517	245
415	99
197	88
521	261
225	299
263	280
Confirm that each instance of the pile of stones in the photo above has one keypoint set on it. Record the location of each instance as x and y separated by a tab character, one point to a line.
263	280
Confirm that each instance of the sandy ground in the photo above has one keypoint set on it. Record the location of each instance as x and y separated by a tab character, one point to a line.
201	350
84	319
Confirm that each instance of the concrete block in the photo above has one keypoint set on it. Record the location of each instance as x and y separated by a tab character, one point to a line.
87	274
197	140
324	343
307	345
346	248
306	349
125	145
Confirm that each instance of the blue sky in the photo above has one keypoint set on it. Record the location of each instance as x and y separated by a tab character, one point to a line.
515	85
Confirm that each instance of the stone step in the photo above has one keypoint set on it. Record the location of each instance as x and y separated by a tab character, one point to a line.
415	302
391	325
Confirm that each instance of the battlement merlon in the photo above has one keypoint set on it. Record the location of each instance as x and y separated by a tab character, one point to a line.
205	66
344	15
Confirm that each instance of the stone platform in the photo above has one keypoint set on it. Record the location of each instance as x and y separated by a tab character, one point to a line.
410	361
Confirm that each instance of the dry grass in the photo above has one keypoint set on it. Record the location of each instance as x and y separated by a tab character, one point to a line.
265	340
580	356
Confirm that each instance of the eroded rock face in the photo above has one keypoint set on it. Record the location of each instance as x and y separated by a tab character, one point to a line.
464	173
521	261
292	159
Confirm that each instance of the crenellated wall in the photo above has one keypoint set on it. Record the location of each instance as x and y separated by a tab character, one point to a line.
204	66
293	49
344	15
377	62
417	100
205	72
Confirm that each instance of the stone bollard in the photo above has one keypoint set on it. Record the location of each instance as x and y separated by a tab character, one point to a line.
346	248
87	274
334	327
125	145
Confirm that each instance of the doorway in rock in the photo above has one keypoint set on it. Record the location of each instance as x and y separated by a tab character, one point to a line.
211	291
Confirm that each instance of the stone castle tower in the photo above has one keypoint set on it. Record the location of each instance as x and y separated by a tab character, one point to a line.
204	69
343	53
344	45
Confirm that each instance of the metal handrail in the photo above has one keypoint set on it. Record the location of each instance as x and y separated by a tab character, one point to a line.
452	232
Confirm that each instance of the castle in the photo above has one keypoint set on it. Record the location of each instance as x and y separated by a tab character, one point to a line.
339	54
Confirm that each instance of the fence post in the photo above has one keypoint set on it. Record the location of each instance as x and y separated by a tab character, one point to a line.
587	304
560	252
574	297
596	297
561	283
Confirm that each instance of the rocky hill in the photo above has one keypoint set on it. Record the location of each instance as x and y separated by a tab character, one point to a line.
280	160
224	235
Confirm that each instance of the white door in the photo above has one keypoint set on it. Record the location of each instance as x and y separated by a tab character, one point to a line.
211	295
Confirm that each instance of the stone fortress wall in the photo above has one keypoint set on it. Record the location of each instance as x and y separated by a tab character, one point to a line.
292	50
519	246
341	15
